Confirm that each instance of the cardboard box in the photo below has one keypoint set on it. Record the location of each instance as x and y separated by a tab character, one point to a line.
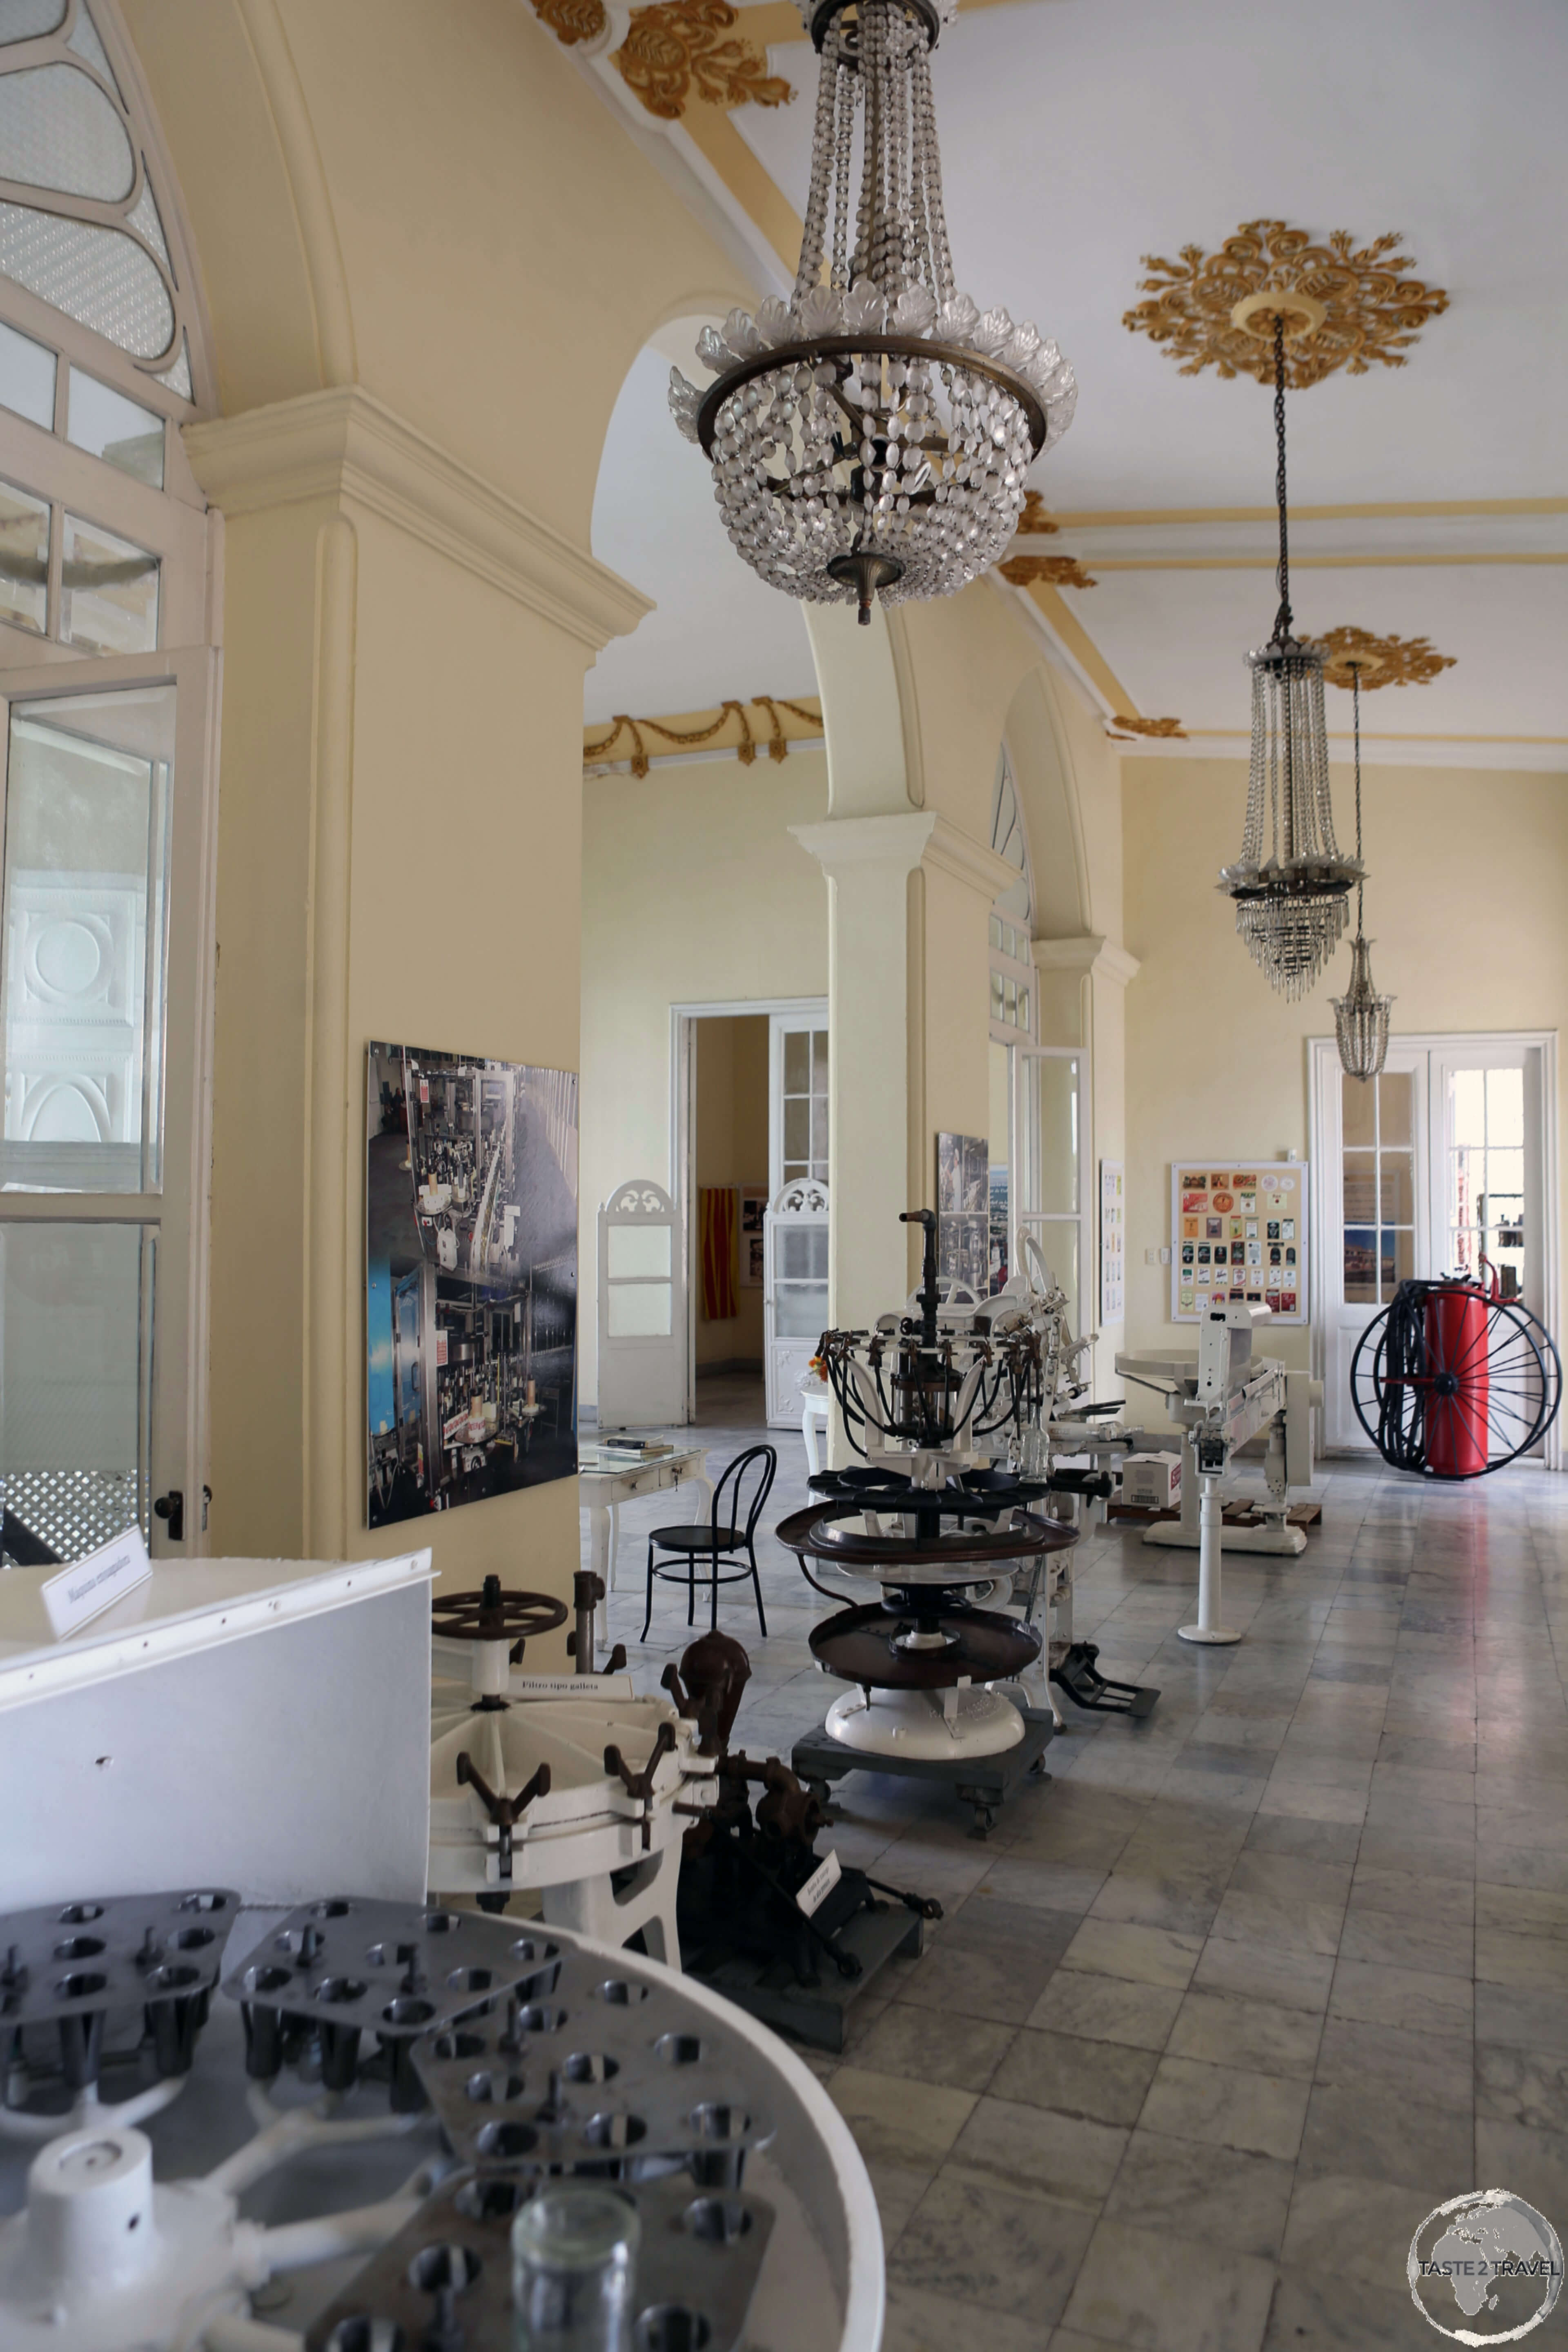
1153	1482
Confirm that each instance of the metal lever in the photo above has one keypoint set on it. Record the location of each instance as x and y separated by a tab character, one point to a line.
639	1785
504	1811
172	1507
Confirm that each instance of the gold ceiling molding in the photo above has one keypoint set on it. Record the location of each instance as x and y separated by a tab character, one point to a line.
1380	661
573	20
678	51
729	730
1372	309
1035	519
1162	727
1059	571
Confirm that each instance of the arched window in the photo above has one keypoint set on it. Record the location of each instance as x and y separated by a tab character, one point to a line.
1012	973
106	687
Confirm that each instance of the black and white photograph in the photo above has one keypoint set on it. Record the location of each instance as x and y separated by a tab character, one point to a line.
470	1279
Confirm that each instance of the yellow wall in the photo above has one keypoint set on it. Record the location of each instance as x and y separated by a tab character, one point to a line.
1468	884
732	1150
693	893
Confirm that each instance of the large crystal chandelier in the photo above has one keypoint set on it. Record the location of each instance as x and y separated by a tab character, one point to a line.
1361	1015
1291	885
871	437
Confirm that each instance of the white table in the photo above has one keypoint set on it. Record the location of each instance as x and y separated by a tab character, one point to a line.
606	1479
814	1416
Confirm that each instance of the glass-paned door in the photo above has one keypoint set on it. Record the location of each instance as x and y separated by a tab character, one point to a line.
103	1008
1374	1191
1051	1148
796	1253
797	1124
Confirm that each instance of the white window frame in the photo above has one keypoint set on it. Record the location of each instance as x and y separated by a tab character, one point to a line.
1040	1221
1436	1053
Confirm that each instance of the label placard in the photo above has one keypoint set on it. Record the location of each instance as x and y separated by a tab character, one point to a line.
91	1584
820	1885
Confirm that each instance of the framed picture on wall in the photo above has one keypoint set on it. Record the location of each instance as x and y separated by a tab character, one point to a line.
753	1209
1233	1219
1113	1242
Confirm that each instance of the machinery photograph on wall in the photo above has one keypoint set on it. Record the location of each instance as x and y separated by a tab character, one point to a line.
471	1278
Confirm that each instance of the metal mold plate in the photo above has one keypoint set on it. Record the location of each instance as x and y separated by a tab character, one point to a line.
701	2254
397	1969
117	1951
605	2069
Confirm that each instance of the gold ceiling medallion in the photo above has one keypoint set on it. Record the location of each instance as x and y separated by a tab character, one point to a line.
1343	307
1380	661
1035	519
1058	571
572	20
1160	726
679	42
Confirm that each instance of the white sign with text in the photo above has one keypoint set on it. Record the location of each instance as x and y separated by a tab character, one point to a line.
91	1584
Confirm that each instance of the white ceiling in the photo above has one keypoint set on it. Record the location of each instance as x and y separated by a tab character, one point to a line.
1079	135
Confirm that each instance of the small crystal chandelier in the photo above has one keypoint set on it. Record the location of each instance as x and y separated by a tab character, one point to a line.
1291	885
1361	1015
871	437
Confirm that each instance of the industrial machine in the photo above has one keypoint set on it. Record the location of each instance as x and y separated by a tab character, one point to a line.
487	2081
1219	1399
1453	1379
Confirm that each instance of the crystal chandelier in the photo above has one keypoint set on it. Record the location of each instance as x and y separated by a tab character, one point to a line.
1361	1015
870	436
1291	885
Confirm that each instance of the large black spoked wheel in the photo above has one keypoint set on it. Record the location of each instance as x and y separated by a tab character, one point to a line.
1450	1384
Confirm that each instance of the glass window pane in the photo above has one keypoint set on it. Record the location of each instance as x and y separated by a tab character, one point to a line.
1468	1106
793	1168
1056	1240
24	558
1361	1266
798	1061
1395	1106
1358	1110
1396	1259
1049	1140
819	1132
1023	1021
800	1253
23	20
1505	1107
800	1311
109	603
797	1127
86	861
76	1315
998	1003
99	276
1397	1175
819	1061
637	1310
121	432
27	378
1010	1001
59	131
637	1249
996	932
1361	1188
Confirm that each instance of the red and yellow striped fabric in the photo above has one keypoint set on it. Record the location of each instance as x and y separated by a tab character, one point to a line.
717	1223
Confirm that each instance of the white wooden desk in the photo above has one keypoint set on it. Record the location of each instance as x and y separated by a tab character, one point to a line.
606	1479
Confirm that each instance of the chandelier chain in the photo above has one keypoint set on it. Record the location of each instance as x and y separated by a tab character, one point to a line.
1355	701
1283	617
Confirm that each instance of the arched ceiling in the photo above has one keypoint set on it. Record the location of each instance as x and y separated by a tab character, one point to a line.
1428	500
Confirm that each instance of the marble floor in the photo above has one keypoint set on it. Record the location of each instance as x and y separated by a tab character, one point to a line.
1220	2011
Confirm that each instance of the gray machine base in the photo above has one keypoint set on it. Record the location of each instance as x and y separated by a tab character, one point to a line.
816	2013
984	1782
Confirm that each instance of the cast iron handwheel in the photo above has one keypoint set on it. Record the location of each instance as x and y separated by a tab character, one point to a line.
1402	1412
494	1614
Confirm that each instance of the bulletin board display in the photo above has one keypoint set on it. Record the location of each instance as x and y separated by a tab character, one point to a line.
1238	1232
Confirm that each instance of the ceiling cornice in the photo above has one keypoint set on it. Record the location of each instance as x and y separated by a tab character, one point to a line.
1114	518
1089	952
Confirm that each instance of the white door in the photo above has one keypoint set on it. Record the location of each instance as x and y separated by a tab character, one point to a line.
104	1013
1439	1162
642	1309
797	1105
794	1303
1050	1169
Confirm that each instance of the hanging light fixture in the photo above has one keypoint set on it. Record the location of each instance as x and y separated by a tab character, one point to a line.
871	437
1291	885
1361	1015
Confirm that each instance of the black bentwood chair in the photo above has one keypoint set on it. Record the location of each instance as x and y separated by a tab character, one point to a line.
731	1529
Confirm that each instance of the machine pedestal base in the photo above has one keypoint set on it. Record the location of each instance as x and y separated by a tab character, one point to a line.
984	1782
1287	1540
1217	1637
817	2013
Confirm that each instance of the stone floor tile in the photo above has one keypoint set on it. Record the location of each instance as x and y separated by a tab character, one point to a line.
978	1968
1285	1921
1320	2311
1522	2019
1229	2105
1169	2293
1311	1838
1408	1998
926	2046
1354	2230
1228	2029
1530	2162
1383	2061
1405	1894
1429	2148
1106	2009
935	2323
980	2245
1263	1972
1031	2147
1075	2076
1145	1955
1531	1963
1224	2196
898	2189
897	2122
1400	1940
1521	2087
